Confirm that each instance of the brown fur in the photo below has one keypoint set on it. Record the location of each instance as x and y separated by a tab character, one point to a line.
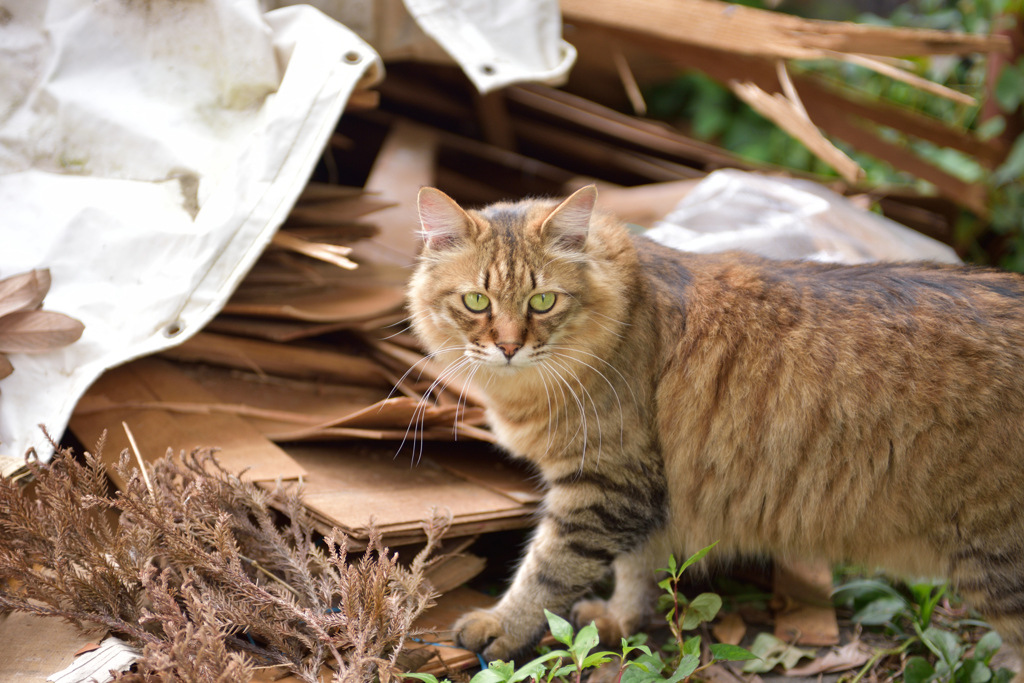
872	413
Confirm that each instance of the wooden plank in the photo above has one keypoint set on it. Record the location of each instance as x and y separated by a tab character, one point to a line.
265	357
34	647
763	33
404	164
792	119
363	484
240	446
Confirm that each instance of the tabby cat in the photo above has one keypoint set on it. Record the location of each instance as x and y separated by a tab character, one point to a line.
870	414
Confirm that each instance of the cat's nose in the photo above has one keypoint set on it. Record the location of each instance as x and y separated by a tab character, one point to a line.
509	348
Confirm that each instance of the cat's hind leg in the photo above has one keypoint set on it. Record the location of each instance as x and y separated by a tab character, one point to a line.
631	605
991	579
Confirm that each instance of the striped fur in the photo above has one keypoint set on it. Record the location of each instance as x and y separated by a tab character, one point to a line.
872	414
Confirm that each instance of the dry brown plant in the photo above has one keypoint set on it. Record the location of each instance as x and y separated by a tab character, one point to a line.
23	327
198	572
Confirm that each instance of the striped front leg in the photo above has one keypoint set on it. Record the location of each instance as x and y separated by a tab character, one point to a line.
590	520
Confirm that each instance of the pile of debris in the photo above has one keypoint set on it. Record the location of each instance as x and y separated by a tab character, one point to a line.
310	374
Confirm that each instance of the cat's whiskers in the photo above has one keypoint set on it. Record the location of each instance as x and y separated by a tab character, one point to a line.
418	417
413	367
622	425
462	400
597	415
544	381
583	422
575	349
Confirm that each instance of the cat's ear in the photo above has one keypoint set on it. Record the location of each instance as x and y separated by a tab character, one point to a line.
443	223
569	223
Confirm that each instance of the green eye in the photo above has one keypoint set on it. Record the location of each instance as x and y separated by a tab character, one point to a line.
476	302
542	302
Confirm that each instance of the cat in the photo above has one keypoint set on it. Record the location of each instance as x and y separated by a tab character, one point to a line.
868	413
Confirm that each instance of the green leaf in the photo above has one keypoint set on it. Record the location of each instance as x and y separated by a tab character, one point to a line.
917	670
636	674
426	678
1009	90
692	646
880	611
974	671
703	608
586	640
863	591
724	652
1004	675
666	584
686	667
988	646
490	676
672	564
563	671
598	658
944	644
1013	167
697	557
560	628
537	666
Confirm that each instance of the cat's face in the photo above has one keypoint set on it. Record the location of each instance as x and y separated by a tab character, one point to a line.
505	286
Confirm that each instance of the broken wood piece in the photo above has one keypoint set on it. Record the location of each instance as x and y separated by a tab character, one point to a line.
804	592
328	253
278	359
629	83
404	164
789	117
241	449
764	33
899	74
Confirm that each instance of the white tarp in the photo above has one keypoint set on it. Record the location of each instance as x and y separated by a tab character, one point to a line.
496	42
150	148
148	152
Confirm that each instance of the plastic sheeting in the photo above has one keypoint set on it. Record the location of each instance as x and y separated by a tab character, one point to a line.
148	152
786	218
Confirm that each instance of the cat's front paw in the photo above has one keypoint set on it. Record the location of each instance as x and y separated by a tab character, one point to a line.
481	631
586	611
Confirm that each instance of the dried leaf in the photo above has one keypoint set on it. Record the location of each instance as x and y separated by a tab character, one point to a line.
849	656
37	331
24	291
730	629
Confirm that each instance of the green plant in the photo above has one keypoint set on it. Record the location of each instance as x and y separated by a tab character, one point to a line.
876	602
570	663
951	663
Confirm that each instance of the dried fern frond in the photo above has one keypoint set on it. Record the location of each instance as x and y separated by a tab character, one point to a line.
198	572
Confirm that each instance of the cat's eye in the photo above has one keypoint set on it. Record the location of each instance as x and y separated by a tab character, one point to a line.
476	302
542	302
